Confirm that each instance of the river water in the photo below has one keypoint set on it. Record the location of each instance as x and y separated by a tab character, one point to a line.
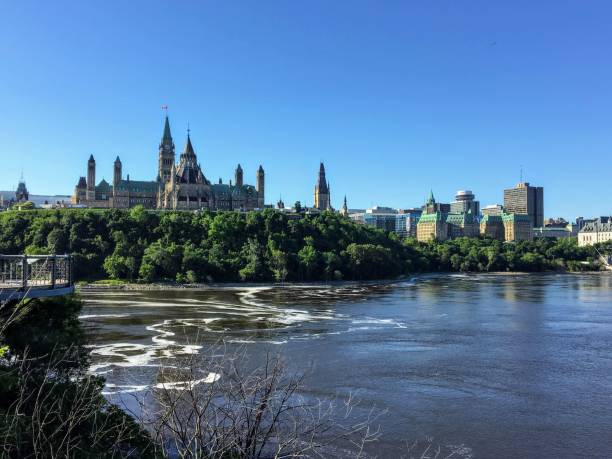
509	366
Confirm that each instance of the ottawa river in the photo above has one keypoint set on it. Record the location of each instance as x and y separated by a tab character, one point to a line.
509	366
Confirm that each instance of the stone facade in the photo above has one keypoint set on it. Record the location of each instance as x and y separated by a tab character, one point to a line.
432	226
178	186
437	223
517	227
322	195
596	231
492	226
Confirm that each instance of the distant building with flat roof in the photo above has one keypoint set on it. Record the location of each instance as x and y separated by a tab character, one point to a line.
493	209
525	199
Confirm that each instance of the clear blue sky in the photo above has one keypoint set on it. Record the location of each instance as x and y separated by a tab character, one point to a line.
396	97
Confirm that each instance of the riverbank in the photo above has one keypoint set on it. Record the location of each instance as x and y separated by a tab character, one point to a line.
169	286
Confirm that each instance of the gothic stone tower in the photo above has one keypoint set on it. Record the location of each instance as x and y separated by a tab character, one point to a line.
117	172
321	192
260	187
238	176
166	155
91	179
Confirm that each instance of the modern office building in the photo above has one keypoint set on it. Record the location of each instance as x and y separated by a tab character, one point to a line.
406	222
379	217
525	199
400	221
465	201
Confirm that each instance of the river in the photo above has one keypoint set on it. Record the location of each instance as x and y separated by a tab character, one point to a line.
509	366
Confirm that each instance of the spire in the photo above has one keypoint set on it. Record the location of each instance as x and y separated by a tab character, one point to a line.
188	147
260	170
431	199
167	138
322	184
117	160
91	158
344	210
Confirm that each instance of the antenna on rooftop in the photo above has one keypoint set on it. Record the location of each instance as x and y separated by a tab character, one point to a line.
521	174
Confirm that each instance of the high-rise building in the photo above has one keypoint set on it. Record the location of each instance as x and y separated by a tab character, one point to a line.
526	200
322	198
406	222
464	202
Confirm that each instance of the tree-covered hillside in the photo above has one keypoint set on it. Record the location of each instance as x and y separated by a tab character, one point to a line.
259	246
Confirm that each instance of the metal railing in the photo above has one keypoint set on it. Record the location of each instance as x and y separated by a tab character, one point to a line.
30	273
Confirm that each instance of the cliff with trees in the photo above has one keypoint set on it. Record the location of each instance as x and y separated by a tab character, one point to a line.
188	247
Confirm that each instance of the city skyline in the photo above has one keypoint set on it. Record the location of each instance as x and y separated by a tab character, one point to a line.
392	105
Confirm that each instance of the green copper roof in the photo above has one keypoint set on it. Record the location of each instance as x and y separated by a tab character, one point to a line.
137	186
103	186
461	218
516	218
491	219
435	217
223	188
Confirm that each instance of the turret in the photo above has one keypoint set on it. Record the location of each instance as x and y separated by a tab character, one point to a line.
173	175
166	154
91	178
344	210
260	184
238	176
117	172
22	194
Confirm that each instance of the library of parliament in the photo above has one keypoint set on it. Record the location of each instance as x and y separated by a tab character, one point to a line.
178	186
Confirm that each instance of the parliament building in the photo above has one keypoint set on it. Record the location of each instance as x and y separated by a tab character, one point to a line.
178	186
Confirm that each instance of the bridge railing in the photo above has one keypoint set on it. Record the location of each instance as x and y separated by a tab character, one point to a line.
25	272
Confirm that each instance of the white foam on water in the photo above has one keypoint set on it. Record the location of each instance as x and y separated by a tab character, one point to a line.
123	389
183	385
96	316
164	344
371	320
